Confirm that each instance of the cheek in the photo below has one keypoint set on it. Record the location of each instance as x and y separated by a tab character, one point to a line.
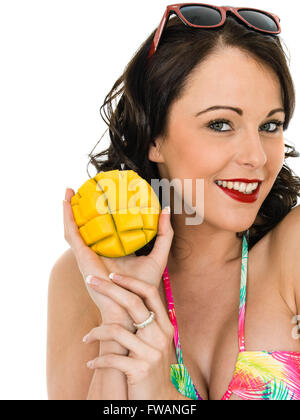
275	158
195	157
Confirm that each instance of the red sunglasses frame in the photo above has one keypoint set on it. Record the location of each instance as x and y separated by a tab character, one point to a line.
175	8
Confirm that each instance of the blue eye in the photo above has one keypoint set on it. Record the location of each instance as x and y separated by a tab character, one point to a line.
277	124
218	123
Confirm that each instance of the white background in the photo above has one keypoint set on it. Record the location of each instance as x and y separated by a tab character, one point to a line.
58	61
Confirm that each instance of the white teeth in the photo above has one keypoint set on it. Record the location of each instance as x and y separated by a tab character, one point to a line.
243	187
249	188
230	185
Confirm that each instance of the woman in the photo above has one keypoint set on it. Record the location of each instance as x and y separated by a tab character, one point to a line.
209	103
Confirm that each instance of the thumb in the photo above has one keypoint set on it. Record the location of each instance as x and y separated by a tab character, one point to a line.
163	239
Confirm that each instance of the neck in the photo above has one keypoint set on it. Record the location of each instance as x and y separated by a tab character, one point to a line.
202	251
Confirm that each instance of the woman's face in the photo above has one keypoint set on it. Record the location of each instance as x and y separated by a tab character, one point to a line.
248	144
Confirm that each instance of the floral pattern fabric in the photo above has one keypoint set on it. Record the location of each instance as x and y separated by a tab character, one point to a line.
258	375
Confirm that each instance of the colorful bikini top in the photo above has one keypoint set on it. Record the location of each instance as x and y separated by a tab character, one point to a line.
258	375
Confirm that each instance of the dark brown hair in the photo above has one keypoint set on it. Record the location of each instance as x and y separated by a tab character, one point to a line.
144	96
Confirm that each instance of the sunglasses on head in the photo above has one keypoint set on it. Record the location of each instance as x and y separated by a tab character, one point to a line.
201	15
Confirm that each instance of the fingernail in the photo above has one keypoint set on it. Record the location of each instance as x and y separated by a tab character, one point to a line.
114	276
91	280
90	363
85	338
166	209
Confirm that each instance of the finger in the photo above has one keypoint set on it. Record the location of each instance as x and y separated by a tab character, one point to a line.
115	332
69	194
161	332
86	258
71	231
132	368
150	294
163	240
130	301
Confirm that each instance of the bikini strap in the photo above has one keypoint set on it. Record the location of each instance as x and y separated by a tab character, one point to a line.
241	322
242	305
172	314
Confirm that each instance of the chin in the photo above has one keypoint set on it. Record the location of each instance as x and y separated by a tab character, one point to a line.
236	224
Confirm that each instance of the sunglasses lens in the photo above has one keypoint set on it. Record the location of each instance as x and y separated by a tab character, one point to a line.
259	20
201	15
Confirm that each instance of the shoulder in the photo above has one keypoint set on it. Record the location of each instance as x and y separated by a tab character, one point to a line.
71	315
286	253
66	283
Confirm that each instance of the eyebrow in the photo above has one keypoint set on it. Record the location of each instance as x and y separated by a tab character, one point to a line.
238	110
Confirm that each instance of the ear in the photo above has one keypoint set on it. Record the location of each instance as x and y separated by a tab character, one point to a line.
154	152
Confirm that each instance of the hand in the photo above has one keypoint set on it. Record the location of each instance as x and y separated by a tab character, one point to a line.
147	366
149	268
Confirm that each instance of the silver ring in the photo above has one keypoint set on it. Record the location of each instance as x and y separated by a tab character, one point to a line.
147	322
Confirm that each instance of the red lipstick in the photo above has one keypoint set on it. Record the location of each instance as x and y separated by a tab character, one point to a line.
242	180
237	195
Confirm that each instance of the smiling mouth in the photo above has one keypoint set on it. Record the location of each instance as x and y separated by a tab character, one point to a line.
249	196
246	188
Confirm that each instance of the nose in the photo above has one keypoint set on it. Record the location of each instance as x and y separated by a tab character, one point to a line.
251	151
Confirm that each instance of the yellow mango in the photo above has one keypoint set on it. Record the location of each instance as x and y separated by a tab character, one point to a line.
116	212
